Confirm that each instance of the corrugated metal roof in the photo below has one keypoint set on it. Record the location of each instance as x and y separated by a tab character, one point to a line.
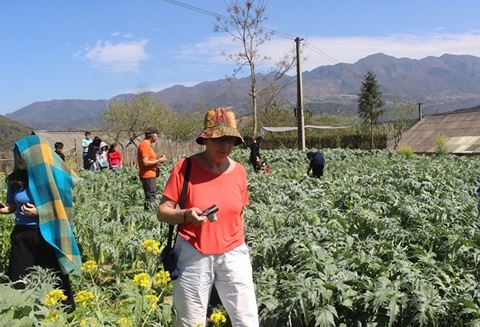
462	130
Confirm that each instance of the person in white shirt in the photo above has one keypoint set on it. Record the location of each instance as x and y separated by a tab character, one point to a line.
85	143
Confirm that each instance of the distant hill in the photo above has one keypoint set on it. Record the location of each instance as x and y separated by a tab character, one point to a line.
10	131
61	114
442	83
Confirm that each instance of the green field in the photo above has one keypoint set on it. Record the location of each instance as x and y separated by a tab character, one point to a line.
381	240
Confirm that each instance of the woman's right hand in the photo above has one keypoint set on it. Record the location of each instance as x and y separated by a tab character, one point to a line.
29	209
192	215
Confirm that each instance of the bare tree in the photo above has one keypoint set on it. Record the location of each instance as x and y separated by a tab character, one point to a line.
402	121
128	120
244	25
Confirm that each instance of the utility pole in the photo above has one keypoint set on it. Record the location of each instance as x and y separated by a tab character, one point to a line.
420	114
299	109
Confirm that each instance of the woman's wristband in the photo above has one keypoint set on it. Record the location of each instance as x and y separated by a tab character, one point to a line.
185	216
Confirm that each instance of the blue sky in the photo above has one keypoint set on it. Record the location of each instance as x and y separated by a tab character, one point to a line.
70	49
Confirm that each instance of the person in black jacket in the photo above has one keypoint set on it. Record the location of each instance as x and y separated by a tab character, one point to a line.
255	157
317	163
93	149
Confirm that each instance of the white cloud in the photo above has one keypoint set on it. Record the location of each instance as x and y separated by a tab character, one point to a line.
351	49
208	51
120	57
321	51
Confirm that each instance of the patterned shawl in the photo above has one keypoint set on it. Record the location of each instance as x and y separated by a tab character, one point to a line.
50	182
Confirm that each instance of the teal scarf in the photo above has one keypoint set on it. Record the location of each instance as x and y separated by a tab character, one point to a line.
50	182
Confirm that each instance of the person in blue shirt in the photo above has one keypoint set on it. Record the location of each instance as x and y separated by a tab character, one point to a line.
28	247
317	163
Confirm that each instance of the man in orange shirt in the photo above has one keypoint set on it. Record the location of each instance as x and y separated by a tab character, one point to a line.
147	165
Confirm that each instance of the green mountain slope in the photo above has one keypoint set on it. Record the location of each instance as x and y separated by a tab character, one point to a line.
10	131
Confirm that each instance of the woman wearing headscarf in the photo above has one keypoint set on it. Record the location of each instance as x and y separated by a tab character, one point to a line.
211	252
40	195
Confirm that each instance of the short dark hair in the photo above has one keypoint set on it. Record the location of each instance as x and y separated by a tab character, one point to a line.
88	133
58	145
150	131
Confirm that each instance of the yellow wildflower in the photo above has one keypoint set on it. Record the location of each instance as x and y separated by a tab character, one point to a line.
162	278
89	266
84	298
218	318
152	301
88	322
51	317
151	246
124	322
54	297
141	279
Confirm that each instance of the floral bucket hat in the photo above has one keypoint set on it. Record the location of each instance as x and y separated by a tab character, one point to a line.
219	122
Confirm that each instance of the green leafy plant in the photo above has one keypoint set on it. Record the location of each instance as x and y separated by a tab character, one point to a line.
378	241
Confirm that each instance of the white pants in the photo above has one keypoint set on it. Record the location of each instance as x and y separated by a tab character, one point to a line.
232	274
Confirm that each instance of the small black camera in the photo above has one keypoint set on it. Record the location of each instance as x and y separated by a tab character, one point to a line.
211	213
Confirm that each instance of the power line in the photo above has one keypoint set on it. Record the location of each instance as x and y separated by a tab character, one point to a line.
312	47
197	9
330	58
308	44
220	16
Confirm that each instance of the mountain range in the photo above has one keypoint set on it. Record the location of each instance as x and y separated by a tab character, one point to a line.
442	84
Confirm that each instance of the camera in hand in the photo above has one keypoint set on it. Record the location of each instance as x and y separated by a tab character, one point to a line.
211	213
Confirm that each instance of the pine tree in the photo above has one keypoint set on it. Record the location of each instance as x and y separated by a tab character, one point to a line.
370	103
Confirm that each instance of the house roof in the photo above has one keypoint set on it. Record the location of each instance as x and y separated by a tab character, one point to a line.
461	128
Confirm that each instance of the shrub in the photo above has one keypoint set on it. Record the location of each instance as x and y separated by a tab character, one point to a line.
406	151
441	145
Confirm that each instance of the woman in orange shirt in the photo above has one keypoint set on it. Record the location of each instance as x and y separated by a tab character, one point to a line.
211	252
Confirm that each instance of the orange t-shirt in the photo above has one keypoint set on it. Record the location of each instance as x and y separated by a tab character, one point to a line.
145	149
227	190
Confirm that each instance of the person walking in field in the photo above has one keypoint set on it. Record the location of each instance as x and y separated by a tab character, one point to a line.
255	157
92	151
85	143
101	159
114	157
207	251
148	165
317	163
39	193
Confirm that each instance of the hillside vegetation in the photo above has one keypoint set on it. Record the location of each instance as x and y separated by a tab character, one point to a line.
10	131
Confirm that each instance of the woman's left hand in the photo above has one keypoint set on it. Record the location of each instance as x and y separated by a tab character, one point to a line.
29	210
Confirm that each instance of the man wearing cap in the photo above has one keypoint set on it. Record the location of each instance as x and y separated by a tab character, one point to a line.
147	165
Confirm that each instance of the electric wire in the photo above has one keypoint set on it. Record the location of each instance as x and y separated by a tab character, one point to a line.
220	16
307	43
